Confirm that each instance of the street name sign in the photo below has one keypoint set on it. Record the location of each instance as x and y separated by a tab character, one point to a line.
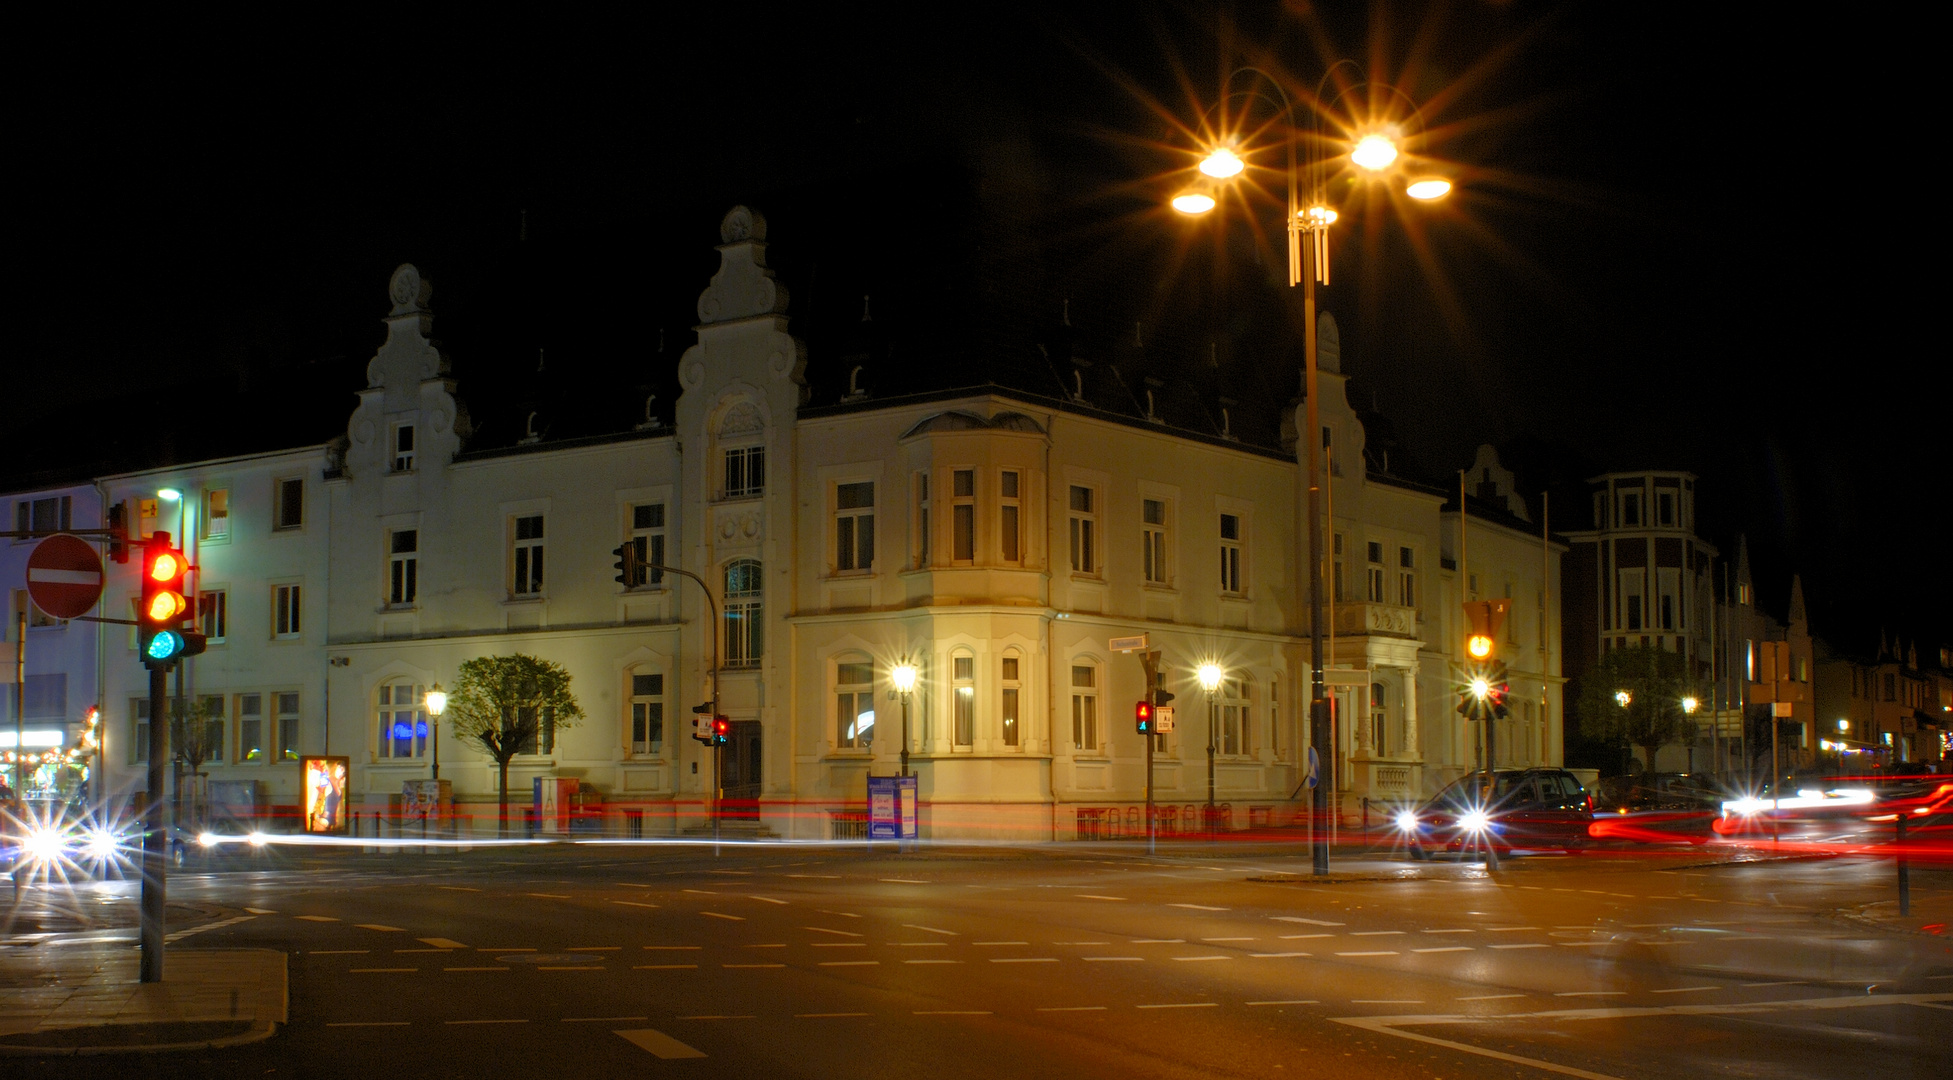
64	576
1127	644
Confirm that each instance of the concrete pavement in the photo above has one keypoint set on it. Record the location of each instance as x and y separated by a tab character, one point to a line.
85	998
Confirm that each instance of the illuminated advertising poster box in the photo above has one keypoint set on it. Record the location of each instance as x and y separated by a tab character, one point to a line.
325	795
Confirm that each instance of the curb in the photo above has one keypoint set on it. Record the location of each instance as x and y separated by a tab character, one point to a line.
256	1034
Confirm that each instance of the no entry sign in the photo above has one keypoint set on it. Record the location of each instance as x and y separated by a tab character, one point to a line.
64	576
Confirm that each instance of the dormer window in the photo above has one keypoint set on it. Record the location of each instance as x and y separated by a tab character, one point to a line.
403	448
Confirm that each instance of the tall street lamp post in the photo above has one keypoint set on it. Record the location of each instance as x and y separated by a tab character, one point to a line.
437	703
1307	229
1210	680
904	679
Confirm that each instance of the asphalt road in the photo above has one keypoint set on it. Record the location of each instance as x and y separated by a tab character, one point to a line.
832	962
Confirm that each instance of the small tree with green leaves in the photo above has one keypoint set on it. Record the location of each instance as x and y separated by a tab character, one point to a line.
194	739
1634	695
510	705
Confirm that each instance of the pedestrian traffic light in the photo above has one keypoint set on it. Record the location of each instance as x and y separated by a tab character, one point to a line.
721	731
628	573
1485	618
159	634
1497	686
702	723
1142	714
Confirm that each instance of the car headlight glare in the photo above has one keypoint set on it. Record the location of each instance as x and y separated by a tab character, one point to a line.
1407	821
1474	821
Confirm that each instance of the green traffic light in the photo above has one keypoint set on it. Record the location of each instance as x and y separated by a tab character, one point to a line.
165	645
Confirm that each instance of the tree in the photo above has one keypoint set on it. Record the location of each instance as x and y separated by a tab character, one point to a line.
1634	695
194	739
510	705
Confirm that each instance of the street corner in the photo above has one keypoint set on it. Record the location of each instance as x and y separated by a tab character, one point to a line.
208	999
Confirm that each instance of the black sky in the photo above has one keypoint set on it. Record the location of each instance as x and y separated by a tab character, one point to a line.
1674	243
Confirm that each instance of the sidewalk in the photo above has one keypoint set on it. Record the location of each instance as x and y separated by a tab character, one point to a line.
85	998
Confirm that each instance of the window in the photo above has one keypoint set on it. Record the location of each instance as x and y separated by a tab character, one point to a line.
1083	525
1230	553
1236	718
854	526
139	730
745	638
1152	540
1008	535
1339	590
250	728
1084	706
745	471
922	519
287	721
403	567
964	729
1891	686
403	448
854	705
213	614
527	557
1275	718
1010	700
216	513
1669	581
403	726
285	611
289	497
648	538
962	515
51	514
647	713
1374	590
1379	721
1665	508
212	707
1630	508
1406	577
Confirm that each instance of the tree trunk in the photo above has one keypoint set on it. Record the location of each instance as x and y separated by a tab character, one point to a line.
502	816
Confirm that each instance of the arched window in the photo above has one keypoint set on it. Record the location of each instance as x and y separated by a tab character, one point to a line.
1010	701
745	641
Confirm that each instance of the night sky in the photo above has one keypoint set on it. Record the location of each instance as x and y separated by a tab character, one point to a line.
1674	242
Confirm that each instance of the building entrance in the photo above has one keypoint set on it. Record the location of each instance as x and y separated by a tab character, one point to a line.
741	772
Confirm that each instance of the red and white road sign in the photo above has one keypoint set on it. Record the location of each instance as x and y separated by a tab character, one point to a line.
64	576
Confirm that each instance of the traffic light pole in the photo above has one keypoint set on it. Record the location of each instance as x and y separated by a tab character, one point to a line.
1151	661
155	838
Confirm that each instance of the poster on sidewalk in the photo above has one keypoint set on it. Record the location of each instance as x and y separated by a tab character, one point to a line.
891	808
325	795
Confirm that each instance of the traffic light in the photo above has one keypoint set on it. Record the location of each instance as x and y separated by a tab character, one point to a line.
1142	714
1472	699
159	633
1161	697
1498	685
721	731
702	723
629	575
1485	616
118	527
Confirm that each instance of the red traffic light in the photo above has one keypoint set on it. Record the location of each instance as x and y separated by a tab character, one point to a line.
721	730
1142	714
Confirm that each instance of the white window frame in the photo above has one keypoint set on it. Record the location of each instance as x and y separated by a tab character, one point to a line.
1235	705
648	522
1087	718
391	712
1010	701
962	516
1230	551
745	471
1406	576
526	556
1082	517
403	568
287	513
854	697
287	611
854	527
213	614
1154	514
402	448
646	712
254	715
963	703
923	556
1373	588
286	735
215	525
744	616
1010	515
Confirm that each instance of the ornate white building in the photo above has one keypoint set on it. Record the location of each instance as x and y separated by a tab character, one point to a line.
994	538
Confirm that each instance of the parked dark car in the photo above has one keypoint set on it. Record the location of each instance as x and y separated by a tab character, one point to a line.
1657	808
1527	809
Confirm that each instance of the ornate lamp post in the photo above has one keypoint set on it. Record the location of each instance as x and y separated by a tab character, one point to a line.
437	703
904	678
1210	675
1308	218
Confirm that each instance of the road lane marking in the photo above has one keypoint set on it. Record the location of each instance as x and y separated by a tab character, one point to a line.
1300	919
952	1012
457	888
903	881
721	915
1592	993
1508	929
548	967
633	885
550	895
770	900
1371	953
1000	943
1303	937
701	892
658	1044
931	929
719	1016
371	1023
260	911
511	948
843	914
839	944
601	1019
1492	997
824	1016
1373	933
378	971
1095	896
1203	939
824	877
849	963
1522	946
475	969
1448	931
1446	948
1183	1005
1198	907
1386	1001
1685	990
825	930
449	943
1754	985
1384	1026
1275	955
315	918
340	952
398	952
1108	942
923	944
1196	959
633	903
1113	959
1306	1001
1159	941
735	873
663	967
1582	944
377	926
1023	959
752	965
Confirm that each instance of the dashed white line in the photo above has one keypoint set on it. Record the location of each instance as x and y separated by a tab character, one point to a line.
1371	953
1000	943
260	911
475	969
1592	993
315	918
849	963
903	881
379	927
825	930
1684	989
1492	997
824	1016
663	967
1374	933
1196	959
1304	1001
1023	959
1449	931
671	948
770	900
931	929
752	965
1114	959
1198	907
952	1012
450	943
1386	1001
1095	896
1183	1005
633	903
600	1019
1203	939
1276	955
1446	948
1159	941
1535	946
722	915
1300	919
